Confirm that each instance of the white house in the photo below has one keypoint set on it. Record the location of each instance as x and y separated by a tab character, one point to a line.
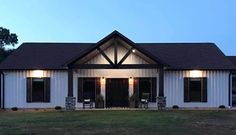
45	75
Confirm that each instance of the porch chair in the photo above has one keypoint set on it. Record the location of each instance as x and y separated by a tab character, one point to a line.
144	100
87	101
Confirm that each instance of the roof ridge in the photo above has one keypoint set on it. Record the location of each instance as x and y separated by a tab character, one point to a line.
197	43
57	43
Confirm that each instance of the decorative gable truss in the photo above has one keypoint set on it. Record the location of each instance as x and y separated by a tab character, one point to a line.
116	53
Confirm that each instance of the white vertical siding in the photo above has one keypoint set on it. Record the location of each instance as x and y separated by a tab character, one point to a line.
111	73
15	89
217	89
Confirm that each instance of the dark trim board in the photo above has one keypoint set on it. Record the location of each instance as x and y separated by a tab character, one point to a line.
70	83
123	66
105	56
230	87
161	82
115	51
126	55
1	90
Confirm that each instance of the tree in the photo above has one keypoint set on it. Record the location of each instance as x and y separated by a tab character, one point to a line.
7	38
4	53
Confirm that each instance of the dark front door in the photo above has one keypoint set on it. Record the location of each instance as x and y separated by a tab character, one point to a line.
117	92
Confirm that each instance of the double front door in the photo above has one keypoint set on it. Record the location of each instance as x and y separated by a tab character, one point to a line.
117	93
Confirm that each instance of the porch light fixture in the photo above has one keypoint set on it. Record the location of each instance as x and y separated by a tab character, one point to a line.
37	73
195	73
133	50
131	80
103	80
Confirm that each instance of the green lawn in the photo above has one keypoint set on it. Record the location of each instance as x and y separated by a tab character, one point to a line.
119	122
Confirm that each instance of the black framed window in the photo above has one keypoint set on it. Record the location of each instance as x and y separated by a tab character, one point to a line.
195	89
38	89
145	85
88	88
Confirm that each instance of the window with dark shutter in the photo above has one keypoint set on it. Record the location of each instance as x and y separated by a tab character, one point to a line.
195	89
38	89
29	89
47	89
144	86
88	88
136	91
80	90
98	86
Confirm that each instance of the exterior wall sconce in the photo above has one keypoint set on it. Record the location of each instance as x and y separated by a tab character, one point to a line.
195	73
131	80
103	80
133	50
37	73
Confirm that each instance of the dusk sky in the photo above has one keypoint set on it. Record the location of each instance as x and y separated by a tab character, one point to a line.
141	21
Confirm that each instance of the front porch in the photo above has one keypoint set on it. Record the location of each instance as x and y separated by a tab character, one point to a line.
114	69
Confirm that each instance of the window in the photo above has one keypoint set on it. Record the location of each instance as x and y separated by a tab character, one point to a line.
195	89
38	89
145	85
88	88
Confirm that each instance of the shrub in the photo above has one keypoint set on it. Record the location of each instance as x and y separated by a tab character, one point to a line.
132	98
99	98
14	108
58	107
99	101
222	107
175	107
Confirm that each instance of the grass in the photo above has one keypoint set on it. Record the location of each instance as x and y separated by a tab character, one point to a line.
119	122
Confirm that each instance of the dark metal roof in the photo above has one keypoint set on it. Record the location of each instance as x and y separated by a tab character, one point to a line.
43	55
232	59
189	55
177	55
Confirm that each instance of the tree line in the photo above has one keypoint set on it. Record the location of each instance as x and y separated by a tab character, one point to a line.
7	42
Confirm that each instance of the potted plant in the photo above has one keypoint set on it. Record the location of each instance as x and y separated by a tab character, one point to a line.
99	101
132	101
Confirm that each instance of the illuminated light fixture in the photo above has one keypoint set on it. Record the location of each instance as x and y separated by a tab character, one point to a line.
102	80
133	50
131	80
195	73
38	73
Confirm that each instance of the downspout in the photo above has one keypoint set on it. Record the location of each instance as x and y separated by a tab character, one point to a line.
2	105
230	86
3	91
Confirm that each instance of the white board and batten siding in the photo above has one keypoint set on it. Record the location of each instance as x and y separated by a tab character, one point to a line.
217	86
217	89
113	73
15	89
